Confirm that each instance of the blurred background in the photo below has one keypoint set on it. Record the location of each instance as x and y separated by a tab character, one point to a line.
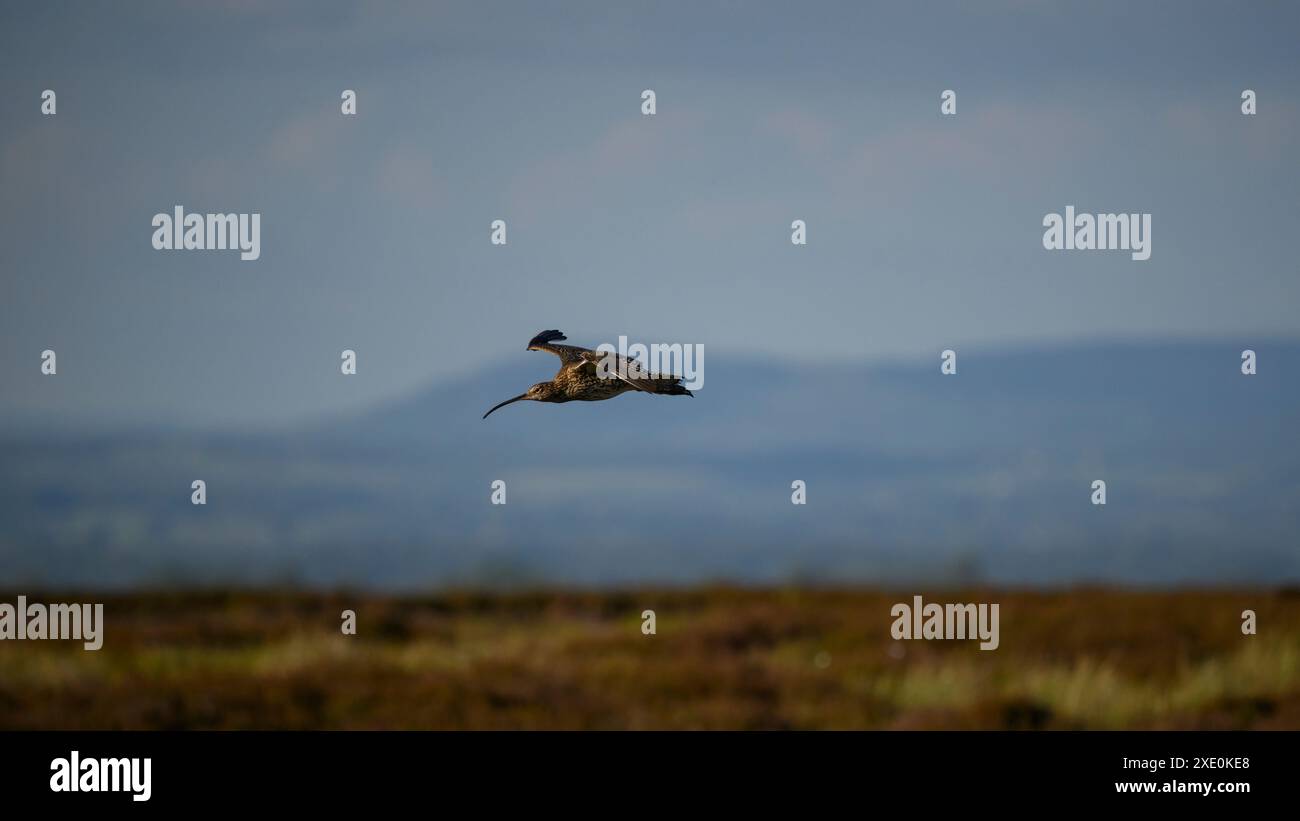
821	365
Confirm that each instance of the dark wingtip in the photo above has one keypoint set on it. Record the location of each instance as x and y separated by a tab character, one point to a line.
546	336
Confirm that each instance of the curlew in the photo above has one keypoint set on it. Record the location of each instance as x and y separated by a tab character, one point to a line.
580	379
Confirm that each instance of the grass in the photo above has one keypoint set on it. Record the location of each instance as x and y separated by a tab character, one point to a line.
722	658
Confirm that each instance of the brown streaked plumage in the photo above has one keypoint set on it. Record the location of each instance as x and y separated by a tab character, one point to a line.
578	379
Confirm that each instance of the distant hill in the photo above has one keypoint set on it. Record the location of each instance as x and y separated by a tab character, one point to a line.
981	476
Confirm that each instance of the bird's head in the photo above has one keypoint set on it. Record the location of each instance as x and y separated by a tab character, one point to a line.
541	392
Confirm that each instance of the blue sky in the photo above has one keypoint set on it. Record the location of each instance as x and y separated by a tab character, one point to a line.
924	231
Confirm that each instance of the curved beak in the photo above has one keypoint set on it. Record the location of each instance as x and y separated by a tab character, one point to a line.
507	402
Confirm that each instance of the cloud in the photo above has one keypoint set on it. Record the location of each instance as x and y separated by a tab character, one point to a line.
994	141
305	142
1271	134
807	132
629	149
406	173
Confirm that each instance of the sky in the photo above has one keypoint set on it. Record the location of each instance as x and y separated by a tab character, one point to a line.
924	230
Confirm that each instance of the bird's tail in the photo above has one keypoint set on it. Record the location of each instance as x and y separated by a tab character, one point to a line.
668	386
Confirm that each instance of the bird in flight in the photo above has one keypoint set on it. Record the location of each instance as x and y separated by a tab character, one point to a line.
580	378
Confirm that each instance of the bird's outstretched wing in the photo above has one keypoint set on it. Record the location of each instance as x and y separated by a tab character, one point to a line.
633	373
570	356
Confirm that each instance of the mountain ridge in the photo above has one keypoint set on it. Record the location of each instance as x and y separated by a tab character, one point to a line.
911	475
